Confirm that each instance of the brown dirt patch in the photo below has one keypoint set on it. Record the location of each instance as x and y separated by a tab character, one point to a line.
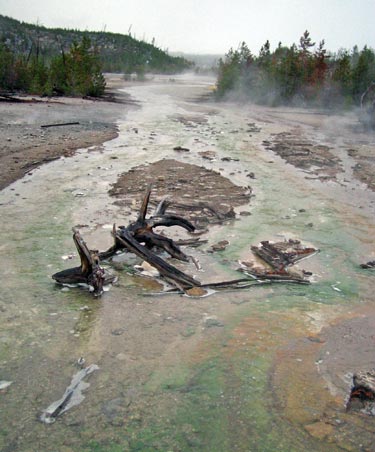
26	145
19	156
364	168
305	154
184	184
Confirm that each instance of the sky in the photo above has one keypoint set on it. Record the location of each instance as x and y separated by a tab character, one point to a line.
209	26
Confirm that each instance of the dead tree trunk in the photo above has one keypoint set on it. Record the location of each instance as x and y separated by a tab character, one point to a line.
89	271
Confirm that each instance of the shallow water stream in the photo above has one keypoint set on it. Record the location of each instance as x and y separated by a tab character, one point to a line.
244	370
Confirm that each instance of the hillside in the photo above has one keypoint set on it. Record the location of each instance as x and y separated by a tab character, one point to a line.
118	53
203	62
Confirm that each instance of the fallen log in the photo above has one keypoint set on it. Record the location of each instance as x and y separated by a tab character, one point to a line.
234	284
89	272
275	276
142	230
8	97
280	256
362	395
271	255
169	272
59	124
193	242
139	238
39	162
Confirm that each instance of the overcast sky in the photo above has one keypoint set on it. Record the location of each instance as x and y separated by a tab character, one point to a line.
209	26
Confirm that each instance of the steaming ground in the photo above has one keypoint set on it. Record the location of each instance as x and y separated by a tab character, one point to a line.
328	147
331	147
27	145
334	151
137	340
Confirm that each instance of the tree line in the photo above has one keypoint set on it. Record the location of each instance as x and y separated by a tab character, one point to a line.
43	60
74	73
303	74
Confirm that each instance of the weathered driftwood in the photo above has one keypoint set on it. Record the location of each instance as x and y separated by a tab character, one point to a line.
208	210
139	238
279	256
282	254
193	242
59	124
230	285
12	97
89	272
364	384
142	230
362	396
72	396
170	273
276	276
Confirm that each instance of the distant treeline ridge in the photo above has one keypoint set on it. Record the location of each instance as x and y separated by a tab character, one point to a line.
297	75
40	60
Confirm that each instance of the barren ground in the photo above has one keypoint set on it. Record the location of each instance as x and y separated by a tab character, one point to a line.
314	345
25	144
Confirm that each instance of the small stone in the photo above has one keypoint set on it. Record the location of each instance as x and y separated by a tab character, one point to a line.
211	322
81	361
118	331
319	430
315	339
181	149
188	332
208	155
196	292
5	384
220	246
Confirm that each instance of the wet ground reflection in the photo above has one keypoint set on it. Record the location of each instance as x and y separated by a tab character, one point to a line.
235	371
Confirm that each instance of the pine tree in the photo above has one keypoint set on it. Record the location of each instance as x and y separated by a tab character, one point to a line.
305	43
6	68
342	74
363	72
78	72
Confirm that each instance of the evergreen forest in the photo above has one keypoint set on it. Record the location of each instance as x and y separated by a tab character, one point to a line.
41	60
304	75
